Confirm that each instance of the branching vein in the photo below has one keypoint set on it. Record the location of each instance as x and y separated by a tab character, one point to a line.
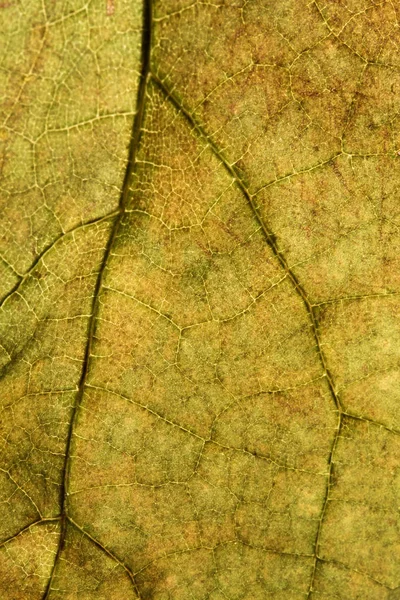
132	154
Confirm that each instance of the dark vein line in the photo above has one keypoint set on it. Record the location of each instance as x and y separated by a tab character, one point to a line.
24	277
131	162
106	551
356	297
312	314
270	237
317	541
371	422
27	527
340	409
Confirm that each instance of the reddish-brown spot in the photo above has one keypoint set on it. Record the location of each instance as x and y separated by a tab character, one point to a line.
110	9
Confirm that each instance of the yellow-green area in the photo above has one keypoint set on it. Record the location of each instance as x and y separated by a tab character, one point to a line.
199	300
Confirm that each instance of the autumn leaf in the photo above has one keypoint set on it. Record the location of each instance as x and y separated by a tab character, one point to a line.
199	309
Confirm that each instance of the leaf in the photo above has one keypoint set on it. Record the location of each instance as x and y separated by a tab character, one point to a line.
199	333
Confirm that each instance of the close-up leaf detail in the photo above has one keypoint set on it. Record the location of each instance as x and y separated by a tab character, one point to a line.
199	300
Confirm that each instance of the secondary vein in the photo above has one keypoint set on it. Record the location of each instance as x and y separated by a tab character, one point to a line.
310	308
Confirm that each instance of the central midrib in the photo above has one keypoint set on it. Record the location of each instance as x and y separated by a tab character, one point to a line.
124	197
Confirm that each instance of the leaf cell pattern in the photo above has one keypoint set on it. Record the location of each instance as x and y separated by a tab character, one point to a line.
199	333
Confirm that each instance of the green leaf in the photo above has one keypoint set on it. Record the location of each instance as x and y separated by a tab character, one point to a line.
199	318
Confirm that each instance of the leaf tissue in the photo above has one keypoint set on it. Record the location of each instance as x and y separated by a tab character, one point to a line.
199	300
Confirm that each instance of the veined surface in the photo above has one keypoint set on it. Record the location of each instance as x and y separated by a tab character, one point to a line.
199	320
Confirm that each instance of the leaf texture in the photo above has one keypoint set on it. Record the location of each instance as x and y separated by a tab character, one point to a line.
199	318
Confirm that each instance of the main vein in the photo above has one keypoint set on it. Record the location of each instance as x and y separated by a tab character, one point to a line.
124	197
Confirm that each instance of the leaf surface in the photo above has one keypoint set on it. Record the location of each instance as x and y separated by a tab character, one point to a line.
199	332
